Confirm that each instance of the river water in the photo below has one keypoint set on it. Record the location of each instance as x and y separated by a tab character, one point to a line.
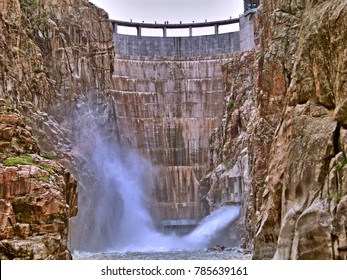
227	254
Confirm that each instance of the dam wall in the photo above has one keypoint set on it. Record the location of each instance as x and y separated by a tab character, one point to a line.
168	98
166	109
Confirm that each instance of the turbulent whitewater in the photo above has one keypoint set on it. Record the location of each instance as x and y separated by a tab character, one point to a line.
123	178
118	213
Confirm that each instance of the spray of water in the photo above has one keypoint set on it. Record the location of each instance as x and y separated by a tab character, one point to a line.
121	221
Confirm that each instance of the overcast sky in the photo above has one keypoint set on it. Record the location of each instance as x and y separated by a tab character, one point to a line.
173	11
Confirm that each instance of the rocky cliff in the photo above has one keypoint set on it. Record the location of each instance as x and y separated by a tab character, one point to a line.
303	210
37	196
293	132
52	53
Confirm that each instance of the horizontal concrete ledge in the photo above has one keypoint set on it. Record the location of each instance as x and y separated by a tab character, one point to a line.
183	59
175	25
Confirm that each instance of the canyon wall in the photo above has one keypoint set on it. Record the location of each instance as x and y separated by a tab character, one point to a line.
230	155
290	126
279	149
52	54
37	196
303	201
303	210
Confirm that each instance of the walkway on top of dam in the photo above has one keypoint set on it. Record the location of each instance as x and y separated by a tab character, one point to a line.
184	46
167	26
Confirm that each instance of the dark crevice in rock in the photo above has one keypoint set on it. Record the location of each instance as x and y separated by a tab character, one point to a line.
336	139
334	239
4	251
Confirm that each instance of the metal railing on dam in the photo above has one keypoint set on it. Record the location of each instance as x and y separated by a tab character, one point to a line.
203	45
166	26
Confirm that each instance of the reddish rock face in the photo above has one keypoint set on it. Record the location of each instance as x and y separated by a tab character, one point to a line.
52	53
37	198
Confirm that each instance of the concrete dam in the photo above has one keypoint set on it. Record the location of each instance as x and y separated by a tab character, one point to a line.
169	97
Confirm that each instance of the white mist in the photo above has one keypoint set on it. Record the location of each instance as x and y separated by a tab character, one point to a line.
117	203
124	174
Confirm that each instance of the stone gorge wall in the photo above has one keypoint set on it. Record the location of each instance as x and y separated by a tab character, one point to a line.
303	210
75	40
230	155
318	85
52	54
293	132
37	196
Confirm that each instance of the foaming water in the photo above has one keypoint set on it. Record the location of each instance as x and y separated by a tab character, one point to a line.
211	225
151	240
227	254
121	221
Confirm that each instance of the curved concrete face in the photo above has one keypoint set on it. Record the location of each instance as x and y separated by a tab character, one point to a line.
177	46
166	108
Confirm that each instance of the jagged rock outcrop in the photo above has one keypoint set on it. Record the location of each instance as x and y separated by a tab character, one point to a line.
37	196
53	52
23	80
297	152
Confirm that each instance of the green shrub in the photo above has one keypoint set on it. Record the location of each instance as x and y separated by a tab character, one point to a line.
341	164
27	160
231	105
47	168
44	179
49	156
335	196
23	159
